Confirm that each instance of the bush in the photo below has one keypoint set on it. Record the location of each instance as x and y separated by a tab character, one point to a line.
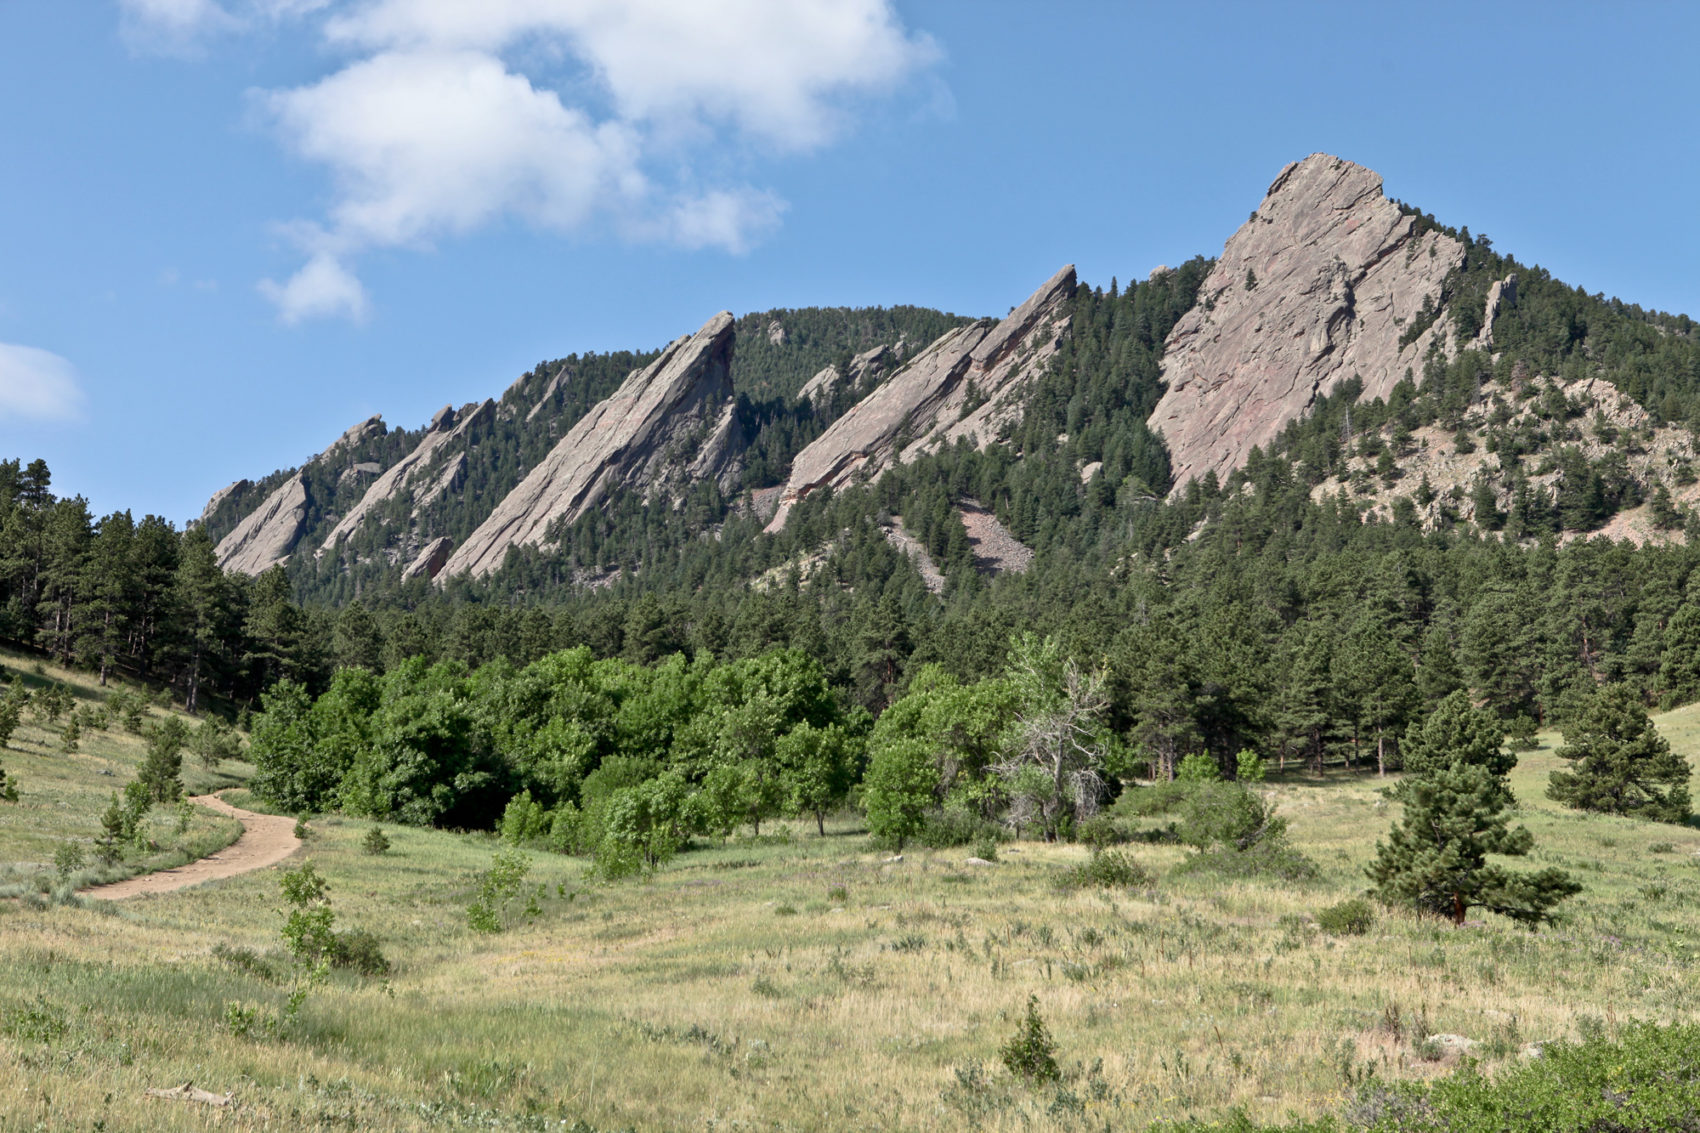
1228	815
376	841
498	887
955	826
68	859
1030	1054
358	950
1348	918
1275	860
1105	869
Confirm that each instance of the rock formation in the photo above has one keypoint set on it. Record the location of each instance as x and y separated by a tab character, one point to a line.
969	383
866	369
1501	296
269	533
220	496
668	426
1320	284
429	562
434	466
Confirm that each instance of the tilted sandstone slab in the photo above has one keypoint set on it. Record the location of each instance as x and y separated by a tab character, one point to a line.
220	496
424	474
269	533
969	383
866	369
430	559
1320	284
669	425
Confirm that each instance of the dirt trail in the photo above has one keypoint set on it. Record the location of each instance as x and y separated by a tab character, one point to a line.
266	840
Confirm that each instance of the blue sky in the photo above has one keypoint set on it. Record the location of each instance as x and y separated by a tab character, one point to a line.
231	228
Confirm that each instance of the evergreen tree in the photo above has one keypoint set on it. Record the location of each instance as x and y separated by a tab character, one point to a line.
160	774
1435	857
1459	732
1621	763
357	642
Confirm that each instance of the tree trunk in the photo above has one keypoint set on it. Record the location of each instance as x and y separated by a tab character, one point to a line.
820	822
1380	754
1457	908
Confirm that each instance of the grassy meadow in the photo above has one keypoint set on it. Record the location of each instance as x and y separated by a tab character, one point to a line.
803	982
63	794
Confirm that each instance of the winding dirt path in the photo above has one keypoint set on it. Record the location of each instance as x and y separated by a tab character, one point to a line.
266	840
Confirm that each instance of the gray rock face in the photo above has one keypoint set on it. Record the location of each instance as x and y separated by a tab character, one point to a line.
435	465
969	383
1501	296
371	427
220	496
1320	284
429	562
866	370
269	533
668	426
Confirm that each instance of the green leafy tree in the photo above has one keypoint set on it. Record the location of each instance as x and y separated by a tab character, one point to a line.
1620	763
11	713
1053	761
817	767
899	790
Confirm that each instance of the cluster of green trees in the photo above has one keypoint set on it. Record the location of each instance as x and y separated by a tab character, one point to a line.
142	598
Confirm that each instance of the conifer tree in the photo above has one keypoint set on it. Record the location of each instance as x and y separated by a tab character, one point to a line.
1435	857
1621	763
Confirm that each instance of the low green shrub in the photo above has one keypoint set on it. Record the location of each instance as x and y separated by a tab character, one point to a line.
376	841
1352	917
1277	861
1030	1054
359	951
1105	869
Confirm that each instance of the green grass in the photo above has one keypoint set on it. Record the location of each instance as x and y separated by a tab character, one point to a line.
879	1002
63	795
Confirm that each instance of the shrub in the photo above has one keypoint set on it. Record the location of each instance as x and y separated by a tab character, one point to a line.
497	888
955	826
68	859
376	841
1105	869
1352	917
524	820
1228	815
161	772
1275	860
1030	1054
358	950
213	741
986	848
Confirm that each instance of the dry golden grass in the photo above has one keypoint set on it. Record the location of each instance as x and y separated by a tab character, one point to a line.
737	990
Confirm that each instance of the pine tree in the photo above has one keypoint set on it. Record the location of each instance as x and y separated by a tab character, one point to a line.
1621	763
161	770
1435	857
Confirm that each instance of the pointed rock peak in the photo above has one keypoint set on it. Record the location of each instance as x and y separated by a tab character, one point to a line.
680	403
373	426
443	419
968	384
1326	280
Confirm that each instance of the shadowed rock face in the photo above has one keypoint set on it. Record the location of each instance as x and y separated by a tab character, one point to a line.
969	383
436	465
668	426
429	562
269	533
1317	286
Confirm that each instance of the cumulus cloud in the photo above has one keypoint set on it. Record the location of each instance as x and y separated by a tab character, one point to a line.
567	115
325	287
37	385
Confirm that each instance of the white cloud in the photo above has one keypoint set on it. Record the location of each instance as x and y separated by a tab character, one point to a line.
36	385
173	27
322	289
447	119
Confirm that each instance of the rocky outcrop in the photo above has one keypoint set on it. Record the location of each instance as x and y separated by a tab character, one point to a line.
430	559
969	383
1502	296
432	468
220	496
668	426
269	533
865	371
1322	283
354	435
